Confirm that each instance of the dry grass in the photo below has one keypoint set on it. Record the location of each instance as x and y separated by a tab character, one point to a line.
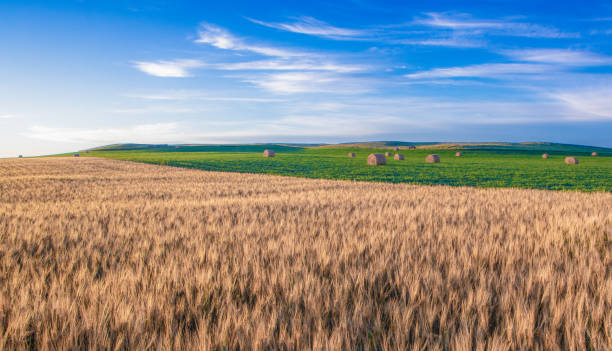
101	254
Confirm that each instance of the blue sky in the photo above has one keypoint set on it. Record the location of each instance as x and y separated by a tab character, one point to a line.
77	74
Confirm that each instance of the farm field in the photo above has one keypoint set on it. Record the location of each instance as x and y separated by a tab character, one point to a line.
104	254
496	165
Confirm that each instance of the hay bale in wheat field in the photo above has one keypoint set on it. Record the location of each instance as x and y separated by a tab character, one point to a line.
396	148
387	153
571	160
398	157
545	156
433	158
20	156
377	159
594	153
459	154
351	154
269	153
77	155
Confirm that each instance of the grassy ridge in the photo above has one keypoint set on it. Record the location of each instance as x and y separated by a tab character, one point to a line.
522	167
198	148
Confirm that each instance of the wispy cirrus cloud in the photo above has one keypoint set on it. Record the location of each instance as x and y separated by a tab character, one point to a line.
174	68
601	32
138	133
560	57
186	95
452	41
488	70
292	65
173	110
526	62
312	26
500	27
283	59
7	116
591	103
221	38
309	82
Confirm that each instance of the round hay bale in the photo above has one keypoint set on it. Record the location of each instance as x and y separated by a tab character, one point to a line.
459	154
433	158
377	159
398	157
86	151
396	148
351	154
545	156
269	153
387	153
571	160
594	154
77	155
20	156
411	147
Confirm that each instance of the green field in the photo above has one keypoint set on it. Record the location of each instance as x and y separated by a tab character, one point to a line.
513	165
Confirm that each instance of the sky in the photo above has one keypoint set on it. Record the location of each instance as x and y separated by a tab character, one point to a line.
79	74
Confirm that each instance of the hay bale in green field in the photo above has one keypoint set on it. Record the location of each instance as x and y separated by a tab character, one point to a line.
377	159
571	160
433	158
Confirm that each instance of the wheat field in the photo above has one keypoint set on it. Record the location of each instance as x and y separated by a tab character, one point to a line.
112	255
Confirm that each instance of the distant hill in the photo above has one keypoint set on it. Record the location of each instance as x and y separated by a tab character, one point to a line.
526	147
490	146
380	144
202	147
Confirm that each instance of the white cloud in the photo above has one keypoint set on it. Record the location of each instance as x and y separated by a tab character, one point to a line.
602	32
157	109
308	82
489	70
559	56
404	114
222	39
175	68
347	117
290	65
145	133
7	116
587	104
179	95
313	26
465	23
455	42
435	19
